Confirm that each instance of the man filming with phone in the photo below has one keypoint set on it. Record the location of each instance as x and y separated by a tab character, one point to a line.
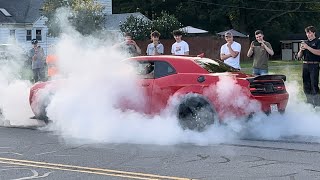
38	61
129	45
260	50
310	50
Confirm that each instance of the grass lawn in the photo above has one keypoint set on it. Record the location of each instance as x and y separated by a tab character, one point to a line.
292	70
248	63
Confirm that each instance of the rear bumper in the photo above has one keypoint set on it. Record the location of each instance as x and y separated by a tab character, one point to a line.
281	100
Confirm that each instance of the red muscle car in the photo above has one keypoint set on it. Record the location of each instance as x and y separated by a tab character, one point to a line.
198	84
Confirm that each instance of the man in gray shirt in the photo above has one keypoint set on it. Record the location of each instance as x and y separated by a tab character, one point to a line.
155	48
37	61
260	50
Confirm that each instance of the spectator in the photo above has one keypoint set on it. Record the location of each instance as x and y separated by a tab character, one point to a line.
260	50
38	63
230	51
310	50
129	45
51	61
155	48
180	47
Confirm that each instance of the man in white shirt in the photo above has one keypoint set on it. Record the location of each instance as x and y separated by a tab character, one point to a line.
230	52
155	48
180	47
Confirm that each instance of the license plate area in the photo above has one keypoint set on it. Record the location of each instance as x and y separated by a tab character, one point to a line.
274	108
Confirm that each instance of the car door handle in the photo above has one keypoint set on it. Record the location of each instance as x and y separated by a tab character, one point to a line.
145	84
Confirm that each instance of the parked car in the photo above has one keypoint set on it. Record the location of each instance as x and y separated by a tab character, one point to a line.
10	52
193	81
15	58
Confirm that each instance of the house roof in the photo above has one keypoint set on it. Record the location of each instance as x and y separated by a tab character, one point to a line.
299	36
113	21
234	33
21	11
193	30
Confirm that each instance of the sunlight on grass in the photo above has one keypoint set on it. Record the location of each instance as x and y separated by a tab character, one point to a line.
292	70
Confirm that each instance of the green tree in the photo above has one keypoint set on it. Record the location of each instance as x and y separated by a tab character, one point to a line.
166	24
276	18
138	27
87	15
141	28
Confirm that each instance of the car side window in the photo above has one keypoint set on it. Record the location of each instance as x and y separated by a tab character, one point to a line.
145	69
162	69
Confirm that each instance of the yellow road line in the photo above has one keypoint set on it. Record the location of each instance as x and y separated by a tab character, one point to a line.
99	171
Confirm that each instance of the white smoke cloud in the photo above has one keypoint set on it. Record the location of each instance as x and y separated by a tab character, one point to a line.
300	120
14	90
85	106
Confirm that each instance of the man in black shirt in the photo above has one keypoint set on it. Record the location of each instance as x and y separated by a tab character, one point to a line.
310	49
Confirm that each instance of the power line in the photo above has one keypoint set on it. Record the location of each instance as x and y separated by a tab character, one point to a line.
250	8
291	2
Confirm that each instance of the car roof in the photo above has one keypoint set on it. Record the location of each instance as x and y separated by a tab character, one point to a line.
182	64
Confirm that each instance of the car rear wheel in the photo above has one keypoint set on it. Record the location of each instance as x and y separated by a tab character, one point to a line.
196	113
41	112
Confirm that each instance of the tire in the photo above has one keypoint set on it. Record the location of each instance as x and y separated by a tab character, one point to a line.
42	113
196	113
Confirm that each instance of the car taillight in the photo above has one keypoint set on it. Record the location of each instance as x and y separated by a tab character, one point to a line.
280	88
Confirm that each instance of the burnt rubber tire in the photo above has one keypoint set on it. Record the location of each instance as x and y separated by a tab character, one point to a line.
282	111
42	115
196	113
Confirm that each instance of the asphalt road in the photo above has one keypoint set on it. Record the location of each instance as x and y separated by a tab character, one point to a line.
34	154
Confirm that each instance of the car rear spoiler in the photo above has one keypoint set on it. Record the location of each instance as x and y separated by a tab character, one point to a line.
268	77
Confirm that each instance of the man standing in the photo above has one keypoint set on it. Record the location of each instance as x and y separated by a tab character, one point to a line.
37	61
129	45
155	48
310	49
230	52
260	50
180	47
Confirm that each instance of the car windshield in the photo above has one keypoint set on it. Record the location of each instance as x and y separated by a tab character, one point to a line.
214	66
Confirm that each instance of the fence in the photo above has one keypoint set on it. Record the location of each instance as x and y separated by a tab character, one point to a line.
210	45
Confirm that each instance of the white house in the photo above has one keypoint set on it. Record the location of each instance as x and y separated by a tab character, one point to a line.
21	21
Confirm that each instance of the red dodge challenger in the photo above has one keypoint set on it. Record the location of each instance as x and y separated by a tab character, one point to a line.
198	83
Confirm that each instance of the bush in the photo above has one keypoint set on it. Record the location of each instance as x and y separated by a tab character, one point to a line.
138	27
165	24
141	29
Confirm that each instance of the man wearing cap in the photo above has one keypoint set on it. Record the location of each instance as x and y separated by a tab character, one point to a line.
37	61
230	51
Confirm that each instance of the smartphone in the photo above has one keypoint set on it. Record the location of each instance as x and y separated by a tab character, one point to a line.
256	43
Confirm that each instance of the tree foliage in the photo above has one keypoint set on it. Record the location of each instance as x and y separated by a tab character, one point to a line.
138	27
86	15
141	29
166	24
276	18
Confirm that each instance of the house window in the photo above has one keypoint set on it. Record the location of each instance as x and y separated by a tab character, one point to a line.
29	35
13	33
39	35
286	45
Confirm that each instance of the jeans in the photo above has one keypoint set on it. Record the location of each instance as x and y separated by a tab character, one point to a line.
257	71
39	74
